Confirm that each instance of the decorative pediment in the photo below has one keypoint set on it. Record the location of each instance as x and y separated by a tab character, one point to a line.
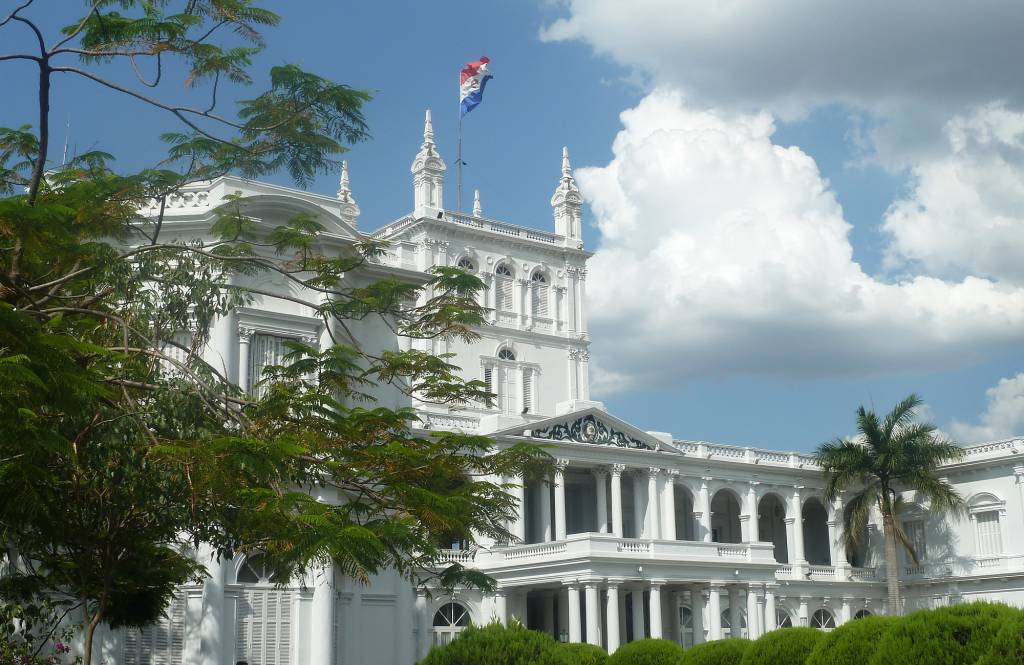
589	429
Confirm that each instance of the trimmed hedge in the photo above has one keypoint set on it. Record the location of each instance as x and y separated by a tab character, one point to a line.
853	643
719	652
785	646
583	654
1008	646
957	635
495	644
647	652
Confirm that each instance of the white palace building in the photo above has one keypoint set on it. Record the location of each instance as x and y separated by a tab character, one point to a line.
636	534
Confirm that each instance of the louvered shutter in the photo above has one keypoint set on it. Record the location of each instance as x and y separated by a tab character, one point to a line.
263	633
540	299
990	539
503	295
265	350
528	391
162	643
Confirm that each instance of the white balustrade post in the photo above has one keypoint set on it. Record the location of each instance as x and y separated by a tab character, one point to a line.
770	622
752	613
616	473
714	612
611	630
601	488
593	595
560	525
575	627
651	525
655	611
668	505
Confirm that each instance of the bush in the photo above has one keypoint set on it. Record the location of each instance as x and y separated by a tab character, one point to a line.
495	644
853	643
583	654
785	646
647	652
719	652
1008	645
957	635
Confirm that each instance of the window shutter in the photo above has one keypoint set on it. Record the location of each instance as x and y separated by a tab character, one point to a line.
915	533
503	295
540	299
528	391
989	535
265	350
162	643
263	634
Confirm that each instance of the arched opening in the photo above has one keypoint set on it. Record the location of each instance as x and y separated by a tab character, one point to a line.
823	620
539	294
816	545
782	619
727	624
861	614
725	518
771	525
450	619
857	556
467	264
506	354
685	627
503	288
685	527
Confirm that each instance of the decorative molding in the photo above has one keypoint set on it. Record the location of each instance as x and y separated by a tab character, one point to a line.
245	334
617	469
589	429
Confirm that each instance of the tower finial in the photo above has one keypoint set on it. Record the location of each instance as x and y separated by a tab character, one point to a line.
567	202
344	192
566	167
477	210
428	130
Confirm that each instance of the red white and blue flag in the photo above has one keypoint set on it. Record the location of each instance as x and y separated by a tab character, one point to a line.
472	81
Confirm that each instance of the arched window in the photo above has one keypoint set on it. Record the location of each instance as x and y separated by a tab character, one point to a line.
539	294
466	264
861	614
255	570
450	620
783	620
503	288
823	620
727	624
263	616
685	627
506	354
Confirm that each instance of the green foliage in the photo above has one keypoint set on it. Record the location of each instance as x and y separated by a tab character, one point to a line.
853	643
718	652
1008	645
785	646
583	654
946	636
495	644
647	652
34	633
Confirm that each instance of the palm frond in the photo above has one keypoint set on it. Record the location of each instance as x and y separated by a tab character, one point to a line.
857	514
902	415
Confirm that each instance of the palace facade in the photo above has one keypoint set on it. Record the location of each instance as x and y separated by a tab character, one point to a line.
636	534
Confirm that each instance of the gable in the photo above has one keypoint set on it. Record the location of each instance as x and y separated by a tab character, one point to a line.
589	429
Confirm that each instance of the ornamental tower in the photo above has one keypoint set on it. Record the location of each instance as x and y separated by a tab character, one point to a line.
349	209
428	175
567	202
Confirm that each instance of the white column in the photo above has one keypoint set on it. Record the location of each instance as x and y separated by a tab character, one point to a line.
519	527
675	601
798	533
636	597
244	337
548	614
544	491
321	647
570	305
698	606
593	598
575	629
501	606
705	516
638	504
655	610
560	526
759	599
769	608
751	535
652	526
735	617
803	611
752	613
424	624
715	612
668	505
612	617
601	489
616	473
845	613
211	633
582	300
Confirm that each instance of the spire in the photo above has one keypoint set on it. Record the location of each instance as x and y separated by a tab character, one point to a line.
428	174
477	210
567	201
348	209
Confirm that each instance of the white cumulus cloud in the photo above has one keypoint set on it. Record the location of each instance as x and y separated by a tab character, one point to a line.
1003	416
724	253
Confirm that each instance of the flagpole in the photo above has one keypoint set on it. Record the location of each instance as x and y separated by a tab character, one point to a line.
459	158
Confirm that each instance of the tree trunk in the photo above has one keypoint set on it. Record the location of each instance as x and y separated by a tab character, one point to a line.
90	631
892	565
44	132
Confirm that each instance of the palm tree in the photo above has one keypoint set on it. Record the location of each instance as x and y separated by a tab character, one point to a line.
886	458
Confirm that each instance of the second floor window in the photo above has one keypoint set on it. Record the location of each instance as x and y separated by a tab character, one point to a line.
503	288
990	538
265	350
539	294
915	534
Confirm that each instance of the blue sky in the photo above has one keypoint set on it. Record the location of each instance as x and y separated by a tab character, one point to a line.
870	143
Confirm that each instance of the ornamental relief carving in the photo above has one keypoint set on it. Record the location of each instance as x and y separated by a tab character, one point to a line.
589	429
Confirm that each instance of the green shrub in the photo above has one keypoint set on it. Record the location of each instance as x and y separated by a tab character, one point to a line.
495	644
957	635
1008	645
786	646
583	654
647	652
853	643
719	652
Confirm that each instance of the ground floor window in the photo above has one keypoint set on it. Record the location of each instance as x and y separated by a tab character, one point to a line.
783	620
861	614
161	643
263	627
727	625
823	620
685	627
450	620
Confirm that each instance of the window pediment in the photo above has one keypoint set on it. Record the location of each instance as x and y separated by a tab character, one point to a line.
589	429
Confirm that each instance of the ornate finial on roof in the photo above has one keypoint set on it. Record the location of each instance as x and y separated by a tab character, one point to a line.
566	167
567	202
344	192
477	210
428	130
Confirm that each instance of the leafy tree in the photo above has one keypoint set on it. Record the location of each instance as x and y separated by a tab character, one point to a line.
717	652
889	455
785	646
117	456
496	644
647	652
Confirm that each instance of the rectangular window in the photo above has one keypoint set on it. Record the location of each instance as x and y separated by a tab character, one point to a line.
527	391
162	643
507	389
540	300
489	379
503	294
176	353
263	627
264	351
990	538
915	534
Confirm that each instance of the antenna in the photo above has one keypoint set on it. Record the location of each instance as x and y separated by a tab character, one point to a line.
67	133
